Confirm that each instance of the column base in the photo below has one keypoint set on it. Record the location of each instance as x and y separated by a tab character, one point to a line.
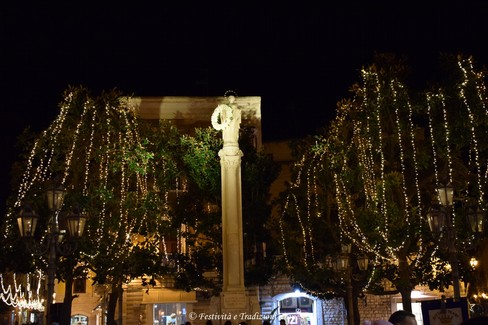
241	307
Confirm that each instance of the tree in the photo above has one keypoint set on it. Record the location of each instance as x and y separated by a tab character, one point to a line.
377	175
193	208
184	181
259	171
310	232
382	157
94	147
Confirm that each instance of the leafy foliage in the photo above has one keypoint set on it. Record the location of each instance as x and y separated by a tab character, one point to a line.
376	168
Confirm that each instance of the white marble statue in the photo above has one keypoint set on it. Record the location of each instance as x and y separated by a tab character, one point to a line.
228	119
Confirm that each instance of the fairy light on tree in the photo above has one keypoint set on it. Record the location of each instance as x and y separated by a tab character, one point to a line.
383	154
126	182
94	146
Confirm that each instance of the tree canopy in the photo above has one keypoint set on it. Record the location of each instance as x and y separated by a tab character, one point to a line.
370	178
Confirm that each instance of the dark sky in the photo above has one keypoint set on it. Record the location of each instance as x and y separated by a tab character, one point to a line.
301	59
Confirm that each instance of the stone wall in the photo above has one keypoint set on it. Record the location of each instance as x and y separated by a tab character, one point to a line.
373	307
133	311
334	312
278	284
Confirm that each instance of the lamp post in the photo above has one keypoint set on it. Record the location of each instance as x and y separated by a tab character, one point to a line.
344	265
54	238
440	218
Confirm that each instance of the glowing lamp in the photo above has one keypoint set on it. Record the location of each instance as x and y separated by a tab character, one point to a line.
27	221
55	196
437	219
476	218
346	248
473	262
76	223
363	263
445	193
329	262
342	262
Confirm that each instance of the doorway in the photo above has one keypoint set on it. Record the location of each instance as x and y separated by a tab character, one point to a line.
297	309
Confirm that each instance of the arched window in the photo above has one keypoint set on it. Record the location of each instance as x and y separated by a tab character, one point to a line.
79	320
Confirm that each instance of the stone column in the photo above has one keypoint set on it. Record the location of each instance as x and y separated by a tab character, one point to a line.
227	118
234	300
232	241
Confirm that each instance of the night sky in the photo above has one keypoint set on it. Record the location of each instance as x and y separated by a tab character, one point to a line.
301	59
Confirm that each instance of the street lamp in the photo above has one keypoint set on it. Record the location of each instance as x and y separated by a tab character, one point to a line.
363	262
76	222
439	218
343	264
27	222
476	218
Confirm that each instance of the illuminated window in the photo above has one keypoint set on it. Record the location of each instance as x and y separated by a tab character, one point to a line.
79	320
294	304
169	314
79	285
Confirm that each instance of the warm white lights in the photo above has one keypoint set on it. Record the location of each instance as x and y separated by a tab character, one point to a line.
473	262
19	294
376	153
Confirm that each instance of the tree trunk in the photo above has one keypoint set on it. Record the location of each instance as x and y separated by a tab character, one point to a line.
356	295
68	300
349	311
112	303
357	319
350	299
406	300
405	286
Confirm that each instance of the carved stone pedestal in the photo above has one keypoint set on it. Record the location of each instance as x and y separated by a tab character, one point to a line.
241	306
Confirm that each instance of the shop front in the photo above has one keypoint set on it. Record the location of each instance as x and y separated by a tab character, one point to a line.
167	307
297	308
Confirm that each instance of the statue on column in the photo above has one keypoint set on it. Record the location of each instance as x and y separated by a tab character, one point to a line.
228	119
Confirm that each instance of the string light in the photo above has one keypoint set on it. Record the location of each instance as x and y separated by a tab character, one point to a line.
22	296
353	144
78	133
466	67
